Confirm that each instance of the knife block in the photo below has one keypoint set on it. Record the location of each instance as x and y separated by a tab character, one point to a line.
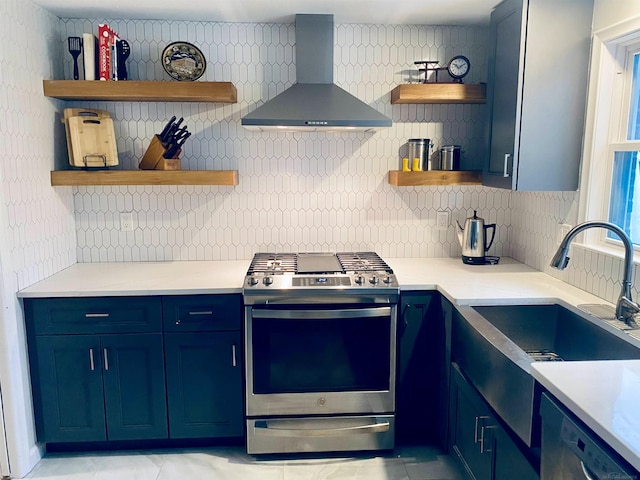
153	158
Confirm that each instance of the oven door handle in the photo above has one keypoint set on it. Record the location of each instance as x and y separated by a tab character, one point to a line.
322	314
271	428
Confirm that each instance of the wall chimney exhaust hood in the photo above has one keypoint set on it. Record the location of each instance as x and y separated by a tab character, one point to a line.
315	103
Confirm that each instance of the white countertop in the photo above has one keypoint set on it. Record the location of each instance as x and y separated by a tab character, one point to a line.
605	395
142	278
587	388
507	282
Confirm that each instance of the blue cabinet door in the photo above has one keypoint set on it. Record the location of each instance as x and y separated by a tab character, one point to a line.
134	386
68	394
204	384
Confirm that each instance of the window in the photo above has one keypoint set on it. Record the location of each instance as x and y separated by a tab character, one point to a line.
624	195
610	187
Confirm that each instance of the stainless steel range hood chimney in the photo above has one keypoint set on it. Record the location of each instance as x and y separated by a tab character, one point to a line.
315	102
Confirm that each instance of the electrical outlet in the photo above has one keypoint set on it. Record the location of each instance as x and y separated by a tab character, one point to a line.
442	220
563	230
126	221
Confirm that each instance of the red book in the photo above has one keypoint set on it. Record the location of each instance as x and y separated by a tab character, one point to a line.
105	40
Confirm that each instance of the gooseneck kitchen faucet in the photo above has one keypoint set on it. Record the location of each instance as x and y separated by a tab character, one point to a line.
626	308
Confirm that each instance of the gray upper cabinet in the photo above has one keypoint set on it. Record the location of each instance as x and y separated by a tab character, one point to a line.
537	89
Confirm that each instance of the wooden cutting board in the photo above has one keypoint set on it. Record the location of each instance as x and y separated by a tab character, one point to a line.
79	112
93	142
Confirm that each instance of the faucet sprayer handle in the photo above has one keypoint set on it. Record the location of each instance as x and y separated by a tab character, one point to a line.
626	310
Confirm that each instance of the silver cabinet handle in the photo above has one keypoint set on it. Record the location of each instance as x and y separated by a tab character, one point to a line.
96	315
482	439
505	172
479	418
106	359
234	362
91	362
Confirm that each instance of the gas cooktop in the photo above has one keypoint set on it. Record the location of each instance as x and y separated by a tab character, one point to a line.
355	270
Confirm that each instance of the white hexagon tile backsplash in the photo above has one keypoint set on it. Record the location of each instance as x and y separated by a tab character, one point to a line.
297	192
37	232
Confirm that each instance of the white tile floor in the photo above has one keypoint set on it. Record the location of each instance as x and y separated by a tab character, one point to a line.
232	463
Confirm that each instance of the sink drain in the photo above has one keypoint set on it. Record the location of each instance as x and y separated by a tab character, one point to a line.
544	356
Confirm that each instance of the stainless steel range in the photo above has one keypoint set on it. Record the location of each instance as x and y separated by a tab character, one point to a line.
320	346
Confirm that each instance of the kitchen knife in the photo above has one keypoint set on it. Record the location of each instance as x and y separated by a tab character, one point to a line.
165	130
173	149
172	129
179	133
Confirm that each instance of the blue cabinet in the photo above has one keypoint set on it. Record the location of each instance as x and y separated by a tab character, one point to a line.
136	368
67	381
420	356
483	446
134	386
204	384
203	355
97	368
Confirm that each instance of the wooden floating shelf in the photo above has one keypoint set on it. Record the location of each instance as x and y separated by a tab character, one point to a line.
434	177
141	91
438	93
144	177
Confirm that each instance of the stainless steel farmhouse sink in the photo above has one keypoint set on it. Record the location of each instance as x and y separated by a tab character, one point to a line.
496	345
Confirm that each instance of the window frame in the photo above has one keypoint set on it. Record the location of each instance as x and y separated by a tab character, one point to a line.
608	110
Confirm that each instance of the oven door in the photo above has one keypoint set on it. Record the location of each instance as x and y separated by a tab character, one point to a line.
321	360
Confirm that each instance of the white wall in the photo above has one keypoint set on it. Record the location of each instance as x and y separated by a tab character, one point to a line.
609	12
37	232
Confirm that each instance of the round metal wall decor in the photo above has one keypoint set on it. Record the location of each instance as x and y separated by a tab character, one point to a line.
183	61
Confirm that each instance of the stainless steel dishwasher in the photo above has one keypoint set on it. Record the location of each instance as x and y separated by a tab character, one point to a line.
570	451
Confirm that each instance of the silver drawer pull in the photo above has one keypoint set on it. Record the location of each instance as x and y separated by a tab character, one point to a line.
234	362
96	315
204	312
91	362
271	428
106	359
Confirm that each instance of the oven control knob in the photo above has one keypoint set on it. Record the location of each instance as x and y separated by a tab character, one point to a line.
387	279
359	279
267	280
253	281
373	280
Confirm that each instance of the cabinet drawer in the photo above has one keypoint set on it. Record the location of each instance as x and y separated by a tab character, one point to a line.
192	313
94	315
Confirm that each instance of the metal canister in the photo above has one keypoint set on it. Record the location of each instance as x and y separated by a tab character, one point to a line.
419	148
450	157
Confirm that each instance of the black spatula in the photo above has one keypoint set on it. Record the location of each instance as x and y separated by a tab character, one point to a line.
75	48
